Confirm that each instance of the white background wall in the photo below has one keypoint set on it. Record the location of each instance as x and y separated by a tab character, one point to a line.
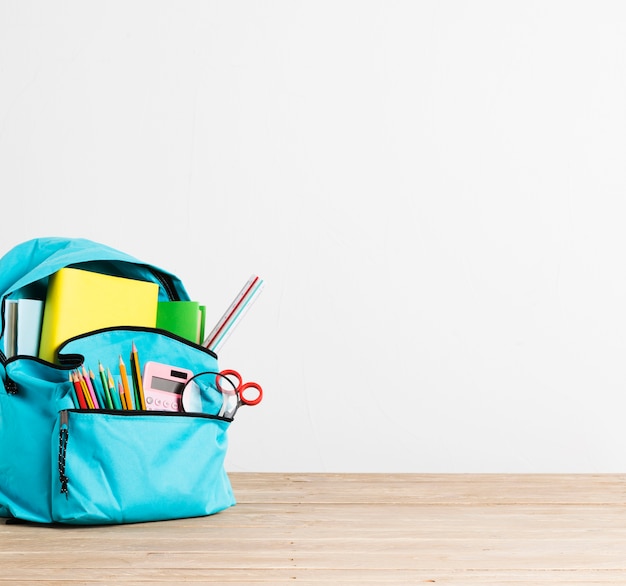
434	192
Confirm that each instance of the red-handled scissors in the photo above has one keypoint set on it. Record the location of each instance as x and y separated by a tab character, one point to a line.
236	394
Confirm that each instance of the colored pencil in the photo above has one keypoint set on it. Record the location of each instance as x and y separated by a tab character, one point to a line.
125	388
83	386
123	398
113	391
90	389
96	388
78	391
103	379
137	380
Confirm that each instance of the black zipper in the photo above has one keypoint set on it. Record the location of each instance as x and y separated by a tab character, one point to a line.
75	360
9	386
136	413
64	434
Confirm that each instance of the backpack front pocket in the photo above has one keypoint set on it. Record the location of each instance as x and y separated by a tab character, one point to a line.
132	466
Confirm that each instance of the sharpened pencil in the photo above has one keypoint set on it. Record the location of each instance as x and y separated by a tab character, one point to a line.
90	389
113	391
137	380
125	389
83	386
78	391
103	379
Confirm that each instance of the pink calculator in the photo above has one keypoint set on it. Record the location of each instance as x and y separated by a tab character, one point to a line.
163	385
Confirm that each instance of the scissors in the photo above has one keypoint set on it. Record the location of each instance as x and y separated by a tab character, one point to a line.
230	384
238	392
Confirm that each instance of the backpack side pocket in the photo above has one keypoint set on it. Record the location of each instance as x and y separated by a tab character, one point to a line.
27	418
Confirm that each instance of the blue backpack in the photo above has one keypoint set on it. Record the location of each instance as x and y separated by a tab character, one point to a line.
60	463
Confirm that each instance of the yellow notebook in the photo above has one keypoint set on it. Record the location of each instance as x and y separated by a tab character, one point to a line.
80	301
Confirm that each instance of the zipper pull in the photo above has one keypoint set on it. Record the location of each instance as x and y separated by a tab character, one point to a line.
10	386
63	438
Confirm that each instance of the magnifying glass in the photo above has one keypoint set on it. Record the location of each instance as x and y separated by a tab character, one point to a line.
219	393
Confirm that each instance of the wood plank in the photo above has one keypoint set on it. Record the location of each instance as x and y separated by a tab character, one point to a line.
235	577
321	523
349	529
432	488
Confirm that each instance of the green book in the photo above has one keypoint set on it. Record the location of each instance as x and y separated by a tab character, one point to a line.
183	318
202	320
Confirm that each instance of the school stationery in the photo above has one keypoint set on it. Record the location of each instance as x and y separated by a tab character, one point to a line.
117	395
69	452
235	312
10	339
22	326
125	389
79	301
29	316
79	393
229	383
183	318
137	381
164	384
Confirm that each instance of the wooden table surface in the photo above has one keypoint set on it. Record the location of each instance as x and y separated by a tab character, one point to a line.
352	529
